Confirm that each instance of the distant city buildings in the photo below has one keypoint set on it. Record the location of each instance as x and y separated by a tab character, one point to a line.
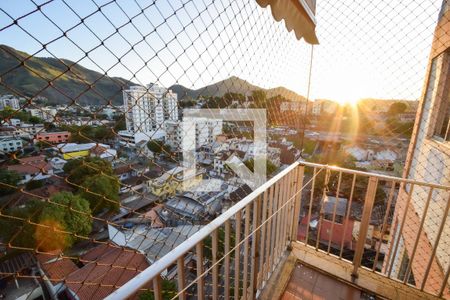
320	107
47	114
9	101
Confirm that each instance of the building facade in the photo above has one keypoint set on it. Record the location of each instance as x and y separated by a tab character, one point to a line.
9	144
9	101
53	137
147	108
206	131
428	160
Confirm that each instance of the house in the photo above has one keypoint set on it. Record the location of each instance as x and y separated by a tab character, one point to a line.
338	233
176	179
57	164
66	279
336	207
52	137
103	151
9	144
194	207
32	168
154	243
73	150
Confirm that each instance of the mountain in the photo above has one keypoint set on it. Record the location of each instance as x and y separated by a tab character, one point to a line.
32	77
24	74
233	85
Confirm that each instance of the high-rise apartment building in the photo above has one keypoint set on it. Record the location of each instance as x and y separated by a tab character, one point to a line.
146	110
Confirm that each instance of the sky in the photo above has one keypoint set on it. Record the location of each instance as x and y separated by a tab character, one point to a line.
368	48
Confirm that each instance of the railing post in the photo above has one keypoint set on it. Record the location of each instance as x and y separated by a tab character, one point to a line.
157	288
200	279
181	278
297	204
364	227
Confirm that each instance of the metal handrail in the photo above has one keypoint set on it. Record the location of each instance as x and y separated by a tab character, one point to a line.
376	175
129	288
153	272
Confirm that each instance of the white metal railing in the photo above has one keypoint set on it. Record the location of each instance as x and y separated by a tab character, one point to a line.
236	253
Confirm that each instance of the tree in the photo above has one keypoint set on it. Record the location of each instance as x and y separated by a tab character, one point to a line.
60	223
270	167
102	192
8	178
397	108
259	97
68	216
34	184
157	146
18	224
79	169
35	120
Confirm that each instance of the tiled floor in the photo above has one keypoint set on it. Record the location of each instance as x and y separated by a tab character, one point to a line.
306	284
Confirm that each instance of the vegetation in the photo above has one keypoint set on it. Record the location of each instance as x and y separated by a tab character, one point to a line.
169	290
397	108
157	147
26	117
94	179
270	167
89	134
102	192
22	78
61	222
8	178
34	184
79	169
331	186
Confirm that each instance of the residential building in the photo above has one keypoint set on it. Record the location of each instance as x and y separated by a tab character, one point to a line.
154	243
30	130
57	164
53	137
48	114
73	150
147	108
9	144
76	281
428	160
175	180
32	168
206	131
292	106
9	101
321	106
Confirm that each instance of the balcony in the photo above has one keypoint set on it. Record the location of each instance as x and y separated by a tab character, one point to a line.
314	231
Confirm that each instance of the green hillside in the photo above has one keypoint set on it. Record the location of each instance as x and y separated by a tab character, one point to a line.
68	80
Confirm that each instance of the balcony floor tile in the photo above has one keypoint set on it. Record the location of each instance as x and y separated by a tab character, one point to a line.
308	284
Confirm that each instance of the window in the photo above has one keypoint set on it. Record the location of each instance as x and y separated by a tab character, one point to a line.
441	129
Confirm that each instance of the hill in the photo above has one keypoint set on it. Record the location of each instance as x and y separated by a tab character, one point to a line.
70	81
233	85
31	79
